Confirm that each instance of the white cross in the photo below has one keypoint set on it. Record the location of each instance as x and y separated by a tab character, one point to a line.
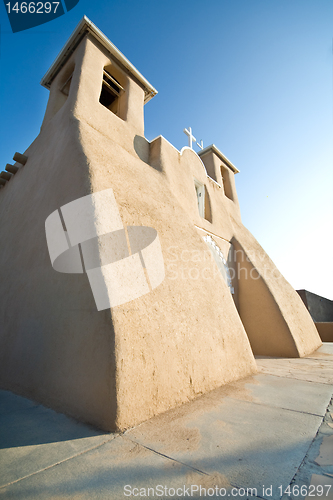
191	137
201	144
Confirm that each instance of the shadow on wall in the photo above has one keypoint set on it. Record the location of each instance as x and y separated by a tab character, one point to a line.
142	148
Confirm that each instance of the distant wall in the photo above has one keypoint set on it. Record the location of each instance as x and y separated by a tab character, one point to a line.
321	309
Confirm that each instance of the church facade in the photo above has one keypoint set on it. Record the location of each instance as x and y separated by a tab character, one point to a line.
133	285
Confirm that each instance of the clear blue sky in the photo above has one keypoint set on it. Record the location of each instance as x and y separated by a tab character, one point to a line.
254	77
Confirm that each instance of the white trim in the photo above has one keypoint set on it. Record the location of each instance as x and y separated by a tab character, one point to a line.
166	140
181	153
215	150
202	163
220	258
212	234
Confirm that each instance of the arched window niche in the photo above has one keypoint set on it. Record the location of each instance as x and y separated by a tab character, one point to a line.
203	201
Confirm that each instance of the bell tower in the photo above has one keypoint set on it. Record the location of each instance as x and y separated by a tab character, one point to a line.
95	82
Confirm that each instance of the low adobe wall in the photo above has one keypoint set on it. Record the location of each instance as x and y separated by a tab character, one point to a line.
325	330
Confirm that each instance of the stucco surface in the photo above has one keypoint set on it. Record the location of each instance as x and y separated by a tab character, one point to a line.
325	331
179	340
54	344
272	312
117	367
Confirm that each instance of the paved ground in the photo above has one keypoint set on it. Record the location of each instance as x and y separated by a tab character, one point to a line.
252	438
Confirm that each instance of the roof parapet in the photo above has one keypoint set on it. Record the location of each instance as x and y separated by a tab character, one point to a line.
215	150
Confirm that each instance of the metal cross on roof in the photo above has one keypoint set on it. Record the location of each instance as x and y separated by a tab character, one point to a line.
201	144
191	137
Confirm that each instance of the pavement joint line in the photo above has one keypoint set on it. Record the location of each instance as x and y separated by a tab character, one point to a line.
317	359
296	378
305	456
169	458
58	463
284	376
186	465
278	407
251	402
321	360
309	356
303	463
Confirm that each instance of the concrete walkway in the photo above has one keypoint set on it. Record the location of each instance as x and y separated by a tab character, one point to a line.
252	438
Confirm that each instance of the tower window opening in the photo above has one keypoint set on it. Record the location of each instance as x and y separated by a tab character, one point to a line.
111	90
226	182
66	86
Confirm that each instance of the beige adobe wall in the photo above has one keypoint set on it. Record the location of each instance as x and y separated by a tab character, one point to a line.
118	367
54	346
112	368
180	340
274	317
121	130
180	170
273	314
215	167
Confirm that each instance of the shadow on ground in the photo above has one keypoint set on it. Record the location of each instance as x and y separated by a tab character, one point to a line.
25	423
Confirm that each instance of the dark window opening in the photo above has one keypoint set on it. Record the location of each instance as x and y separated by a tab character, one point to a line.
226	182
111	90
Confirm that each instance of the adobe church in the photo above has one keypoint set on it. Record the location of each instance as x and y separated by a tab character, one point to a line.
129	283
